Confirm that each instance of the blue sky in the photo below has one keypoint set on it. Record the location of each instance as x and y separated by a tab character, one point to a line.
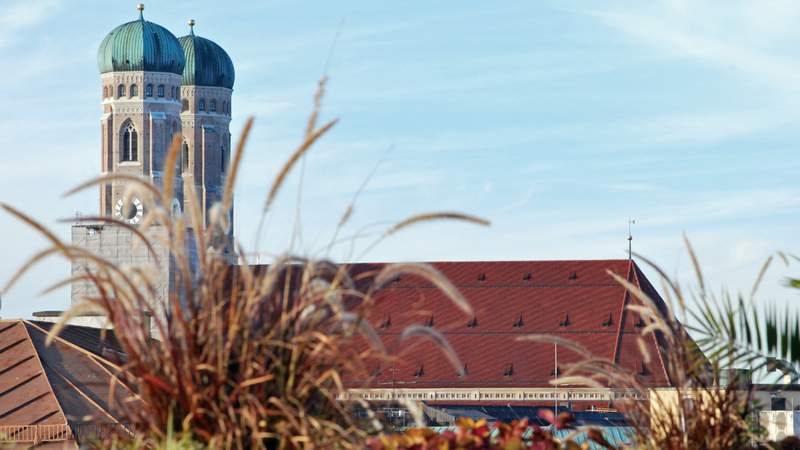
555	120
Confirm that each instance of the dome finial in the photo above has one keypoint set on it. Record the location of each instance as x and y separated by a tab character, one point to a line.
191	23
140	7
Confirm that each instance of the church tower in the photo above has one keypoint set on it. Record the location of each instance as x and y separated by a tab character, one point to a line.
141	65
207	85
154	87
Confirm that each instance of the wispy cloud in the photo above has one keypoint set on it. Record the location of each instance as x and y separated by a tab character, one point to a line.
701	211
725	36
19	15
712	126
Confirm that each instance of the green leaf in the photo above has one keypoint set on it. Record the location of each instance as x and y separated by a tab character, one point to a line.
772	332
795	342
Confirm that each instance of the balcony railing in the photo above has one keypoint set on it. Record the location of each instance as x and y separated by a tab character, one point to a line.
35	433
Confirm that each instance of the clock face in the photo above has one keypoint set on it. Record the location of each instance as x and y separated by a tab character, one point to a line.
132	212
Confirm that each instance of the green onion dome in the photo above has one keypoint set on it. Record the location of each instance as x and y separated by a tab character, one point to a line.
140	46
207	64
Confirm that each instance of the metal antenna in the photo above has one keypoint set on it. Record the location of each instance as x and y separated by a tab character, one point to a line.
630	238
557	375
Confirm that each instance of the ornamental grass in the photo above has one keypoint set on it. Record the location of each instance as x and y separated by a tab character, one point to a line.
245	357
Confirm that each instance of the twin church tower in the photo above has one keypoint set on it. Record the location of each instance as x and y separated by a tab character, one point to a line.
156	86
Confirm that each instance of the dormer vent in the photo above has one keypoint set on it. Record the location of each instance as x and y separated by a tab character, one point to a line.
420	371
555	372
482	277
640	323
387	322
643	370
608	322
473	323
518	323
565	322
429	323
573	276
528	276
509	370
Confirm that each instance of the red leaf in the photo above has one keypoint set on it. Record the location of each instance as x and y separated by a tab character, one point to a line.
547	415
157	382
565	421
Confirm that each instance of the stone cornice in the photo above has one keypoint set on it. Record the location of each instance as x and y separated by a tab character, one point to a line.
492	395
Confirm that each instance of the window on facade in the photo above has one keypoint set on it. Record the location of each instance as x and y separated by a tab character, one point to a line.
105	91
134	90
121	91
185	105
223	159
130	144
201	105
224	106
148	90
160	90
185	157
213	105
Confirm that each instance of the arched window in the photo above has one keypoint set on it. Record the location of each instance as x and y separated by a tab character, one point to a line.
201	105
105	91
185	157
213	105
223	159
185	105
224	107
134	90
160	90
121	91
148	90
130	144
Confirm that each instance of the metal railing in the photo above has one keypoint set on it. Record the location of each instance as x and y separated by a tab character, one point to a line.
35	433
89	432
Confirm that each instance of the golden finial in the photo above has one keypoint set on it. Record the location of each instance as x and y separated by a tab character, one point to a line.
140	7
191	23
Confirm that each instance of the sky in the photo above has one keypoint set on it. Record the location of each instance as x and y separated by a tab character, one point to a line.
556	120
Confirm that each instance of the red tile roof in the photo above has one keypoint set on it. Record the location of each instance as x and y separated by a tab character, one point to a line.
576	300
26	397
60	389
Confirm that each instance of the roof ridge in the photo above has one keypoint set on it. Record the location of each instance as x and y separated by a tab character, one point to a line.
478	261
99	361
80	349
